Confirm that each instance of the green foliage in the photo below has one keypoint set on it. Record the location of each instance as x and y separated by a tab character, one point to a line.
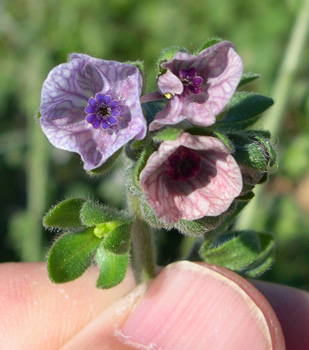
246	252
92	214
65	214
151	108
112	268
118	240
247	78
71	255
243	110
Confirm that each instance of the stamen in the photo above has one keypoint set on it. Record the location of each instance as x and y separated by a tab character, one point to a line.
183	164
191	81
102	111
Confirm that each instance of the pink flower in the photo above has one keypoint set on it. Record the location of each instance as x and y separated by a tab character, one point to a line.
189	178
198	87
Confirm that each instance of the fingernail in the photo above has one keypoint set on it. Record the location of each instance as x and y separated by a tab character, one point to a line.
189	306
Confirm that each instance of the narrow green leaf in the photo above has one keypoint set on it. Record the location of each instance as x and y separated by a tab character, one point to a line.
93	214
265	258
71	255
118	240
247	252
65	214
112	268
243	110
232	251
247	78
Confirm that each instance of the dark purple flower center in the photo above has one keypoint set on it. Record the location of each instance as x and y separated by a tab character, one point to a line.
191	81
102	111
183	164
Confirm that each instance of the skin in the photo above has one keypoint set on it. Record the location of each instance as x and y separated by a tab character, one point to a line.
187	306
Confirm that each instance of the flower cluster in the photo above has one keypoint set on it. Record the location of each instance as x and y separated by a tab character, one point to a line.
93	107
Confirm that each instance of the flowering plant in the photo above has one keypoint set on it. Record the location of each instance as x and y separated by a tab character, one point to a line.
191	161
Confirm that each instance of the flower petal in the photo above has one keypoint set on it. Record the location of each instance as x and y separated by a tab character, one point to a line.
218	70
69	89
210	193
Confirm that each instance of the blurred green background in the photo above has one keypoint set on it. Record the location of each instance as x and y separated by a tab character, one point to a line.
36	35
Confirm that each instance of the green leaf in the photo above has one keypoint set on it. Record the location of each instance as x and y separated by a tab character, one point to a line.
167	134
112	268
106	167
118	240
243	110
71	255
209	42
264	260
93	214
247	78
65	214
246	252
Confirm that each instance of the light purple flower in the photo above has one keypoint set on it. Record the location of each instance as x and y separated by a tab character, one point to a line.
198	87
189	178
91	106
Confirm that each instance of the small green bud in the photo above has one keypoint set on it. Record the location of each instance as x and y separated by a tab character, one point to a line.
102	229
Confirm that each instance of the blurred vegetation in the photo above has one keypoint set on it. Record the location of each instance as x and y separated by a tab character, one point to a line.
37	35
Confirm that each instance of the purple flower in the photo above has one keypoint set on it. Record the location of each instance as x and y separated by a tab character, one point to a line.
91	106
198	87
189	178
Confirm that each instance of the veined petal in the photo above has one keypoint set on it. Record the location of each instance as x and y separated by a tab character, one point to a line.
74	91
209	193
209	80
169	83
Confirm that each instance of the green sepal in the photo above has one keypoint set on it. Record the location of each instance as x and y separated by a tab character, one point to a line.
246	252
112	268
106	167
65	214
165	55
151	108
118	240
71	255
138	64
209	42
211	224
140	164
200	131
243	110
167	134
93	214
249	150
247	78
131	185
38	114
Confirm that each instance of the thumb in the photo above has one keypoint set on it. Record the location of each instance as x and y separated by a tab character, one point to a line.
187	306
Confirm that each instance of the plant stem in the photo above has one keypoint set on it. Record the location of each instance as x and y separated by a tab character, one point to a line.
143	255
272	121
